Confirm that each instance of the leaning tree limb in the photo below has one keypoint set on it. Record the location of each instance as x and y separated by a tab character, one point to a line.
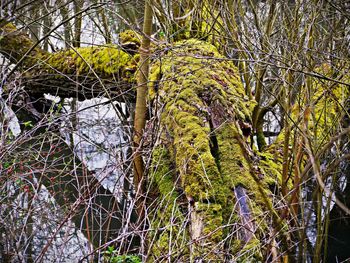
219	198
204	171
78	72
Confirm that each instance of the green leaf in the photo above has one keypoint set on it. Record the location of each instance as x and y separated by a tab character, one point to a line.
110	248
28	124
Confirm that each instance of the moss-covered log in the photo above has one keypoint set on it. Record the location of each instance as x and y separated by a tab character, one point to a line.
211	196
84	72
208	179
215	193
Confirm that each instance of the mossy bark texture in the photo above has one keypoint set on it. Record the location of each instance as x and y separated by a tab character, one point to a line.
209	194
210	187
215	193
85	72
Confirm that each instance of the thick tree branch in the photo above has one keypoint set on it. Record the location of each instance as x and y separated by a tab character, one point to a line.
83	72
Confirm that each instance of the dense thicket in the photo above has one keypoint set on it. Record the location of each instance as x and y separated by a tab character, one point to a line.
246	144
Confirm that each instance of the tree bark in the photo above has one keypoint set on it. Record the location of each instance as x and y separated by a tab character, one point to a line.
212	197
212	185
101	70
141	107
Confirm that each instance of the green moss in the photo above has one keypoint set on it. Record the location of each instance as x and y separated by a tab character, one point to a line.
193	81
272	165
103	61
204	23
321	111
250	252
237	171
213	215
169	220
327	110
316	114
162	174
14	44
129	36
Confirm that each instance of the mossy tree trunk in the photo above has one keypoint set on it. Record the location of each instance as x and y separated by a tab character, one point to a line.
212	197
212	188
